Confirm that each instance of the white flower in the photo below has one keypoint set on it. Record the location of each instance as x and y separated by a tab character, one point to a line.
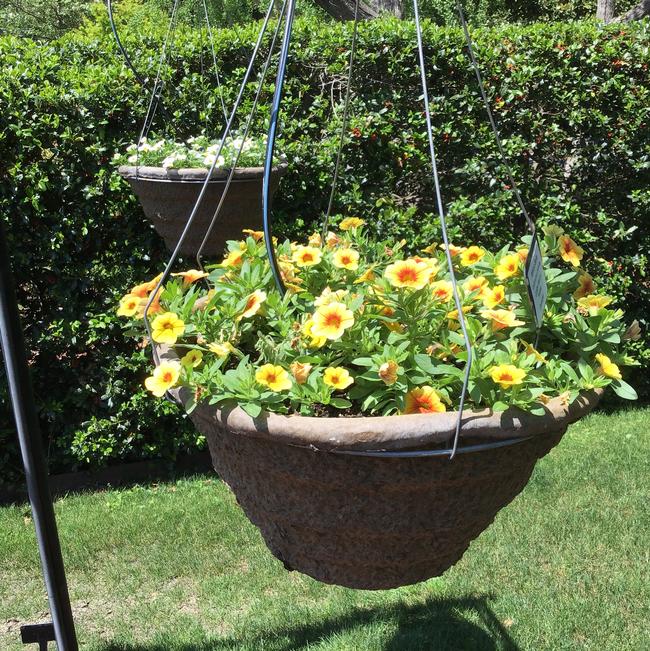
209	160
169	161
132	159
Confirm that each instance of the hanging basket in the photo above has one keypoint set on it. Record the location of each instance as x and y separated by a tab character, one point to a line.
376	522
167	197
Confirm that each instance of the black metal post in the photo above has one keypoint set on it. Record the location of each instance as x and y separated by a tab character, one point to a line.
31	447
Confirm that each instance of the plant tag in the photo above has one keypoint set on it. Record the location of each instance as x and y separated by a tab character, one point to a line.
536	281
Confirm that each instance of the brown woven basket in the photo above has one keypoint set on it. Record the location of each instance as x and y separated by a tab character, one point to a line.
368	522
167	197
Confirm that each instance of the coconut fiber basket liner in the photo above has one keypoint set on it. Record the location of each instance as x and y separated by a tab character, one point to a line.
167	197
375	522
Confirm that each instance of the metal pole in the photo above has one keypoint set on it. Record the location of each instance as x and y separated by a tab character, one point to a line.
31	447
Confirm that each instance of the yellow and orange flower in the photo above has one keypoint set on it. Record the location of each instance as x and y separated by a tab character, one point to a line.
142	290
501	319
586	286
593	303
332	240
523	254
307	256
233	259
164	377
315	240
532	351
507	375
607	367
477	284
346	259
191	276
453	249
192	358
570	251
300	371
256	235
221	349
130	305
167	328
423	400
351	222
408	274
432	263
471	255
507	267
494	296
337	377
367	276
253	304
442	290
273	377
308	331
332	320
388	372
327	296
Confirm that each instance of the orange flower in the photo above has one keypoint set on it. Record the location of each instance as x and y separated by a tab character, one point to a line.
256	235
253	304
408	273
346	259
476	284
351	222
586	285
152	284
453	249
423	400
471	256
332	320
494	296
233	259
570	251
508	266
332	240
523	254
501	319
300	371
442	290
388	372
142	290
306	256
191	276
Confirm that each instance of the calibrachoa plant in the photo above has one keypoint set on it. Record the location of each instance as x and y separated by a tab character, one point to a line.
199	151
367	329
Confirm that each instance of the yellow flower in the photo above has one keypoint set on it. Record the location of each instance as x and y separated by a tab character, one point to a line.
423	400
315	240
570	251
332	240
129	305
607	367
592	303
306	256
314	341
300	372
346	259
192	358
253	304
164	377
501	319
328	296
471	256
233	259
337	377
494	296
273	377
476	284
432	263
442	290
586	285
331	320
256	235
408	273
431	249
507	375
453	249
142	290
221	350
367	276
508	266
531	350
523	254
191	276
351	222
388	372
167	328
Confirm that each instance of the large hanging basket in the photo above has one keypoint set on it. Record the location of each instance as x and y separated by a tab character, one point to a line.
167	197
369	522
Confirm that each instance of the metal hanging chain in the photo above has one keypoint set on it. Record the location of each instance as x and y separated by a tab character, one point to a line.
168	268
443	225
270	148
214	62
231	173
497	137
344	125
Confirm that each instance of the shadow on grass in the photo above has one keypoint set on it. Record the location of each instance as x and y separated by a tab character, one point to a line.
440	624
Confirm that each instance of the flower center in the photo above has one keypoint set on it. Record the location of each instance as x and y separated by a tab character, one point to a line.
407	275
506	377
333	319
250	302
167	377
271	377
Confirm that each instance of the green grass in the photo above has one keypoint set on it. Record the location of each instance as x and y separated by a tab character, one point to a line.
177	567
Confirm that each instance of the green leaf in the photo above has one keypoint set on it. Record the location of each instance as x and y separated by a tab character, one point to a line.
623	390
252	409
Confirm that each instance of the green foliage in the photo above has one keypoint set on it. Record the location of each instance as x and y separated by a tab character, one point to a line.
572	103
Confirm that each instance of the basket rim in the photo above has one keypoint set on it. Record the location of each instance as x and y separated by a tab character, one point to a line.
396	432
193	174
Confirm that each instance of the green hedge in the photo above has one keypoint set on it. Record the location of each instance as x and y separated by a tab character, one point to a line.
572	103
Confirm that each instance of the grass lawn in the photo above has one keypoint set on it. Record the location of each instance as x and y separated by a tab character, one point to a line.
177	567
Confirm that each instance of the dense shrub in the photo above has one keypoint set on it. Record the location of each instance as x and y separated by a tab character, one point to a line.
572	104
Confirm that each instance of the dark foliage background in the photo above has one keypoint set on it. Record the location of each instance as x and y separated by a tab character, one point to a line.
572	103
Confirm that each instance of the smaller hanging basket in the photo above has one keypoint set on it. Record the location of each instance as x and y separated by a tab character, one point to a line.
167	197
